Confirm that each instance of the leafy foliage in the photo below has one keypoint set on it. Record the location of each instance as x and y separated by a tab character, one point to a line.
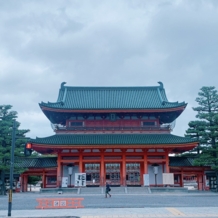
7	117
196	131
206	128
33	180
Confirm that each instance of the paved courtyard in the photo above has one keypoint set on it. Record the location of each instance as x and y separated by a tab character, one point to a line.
200	204
27	201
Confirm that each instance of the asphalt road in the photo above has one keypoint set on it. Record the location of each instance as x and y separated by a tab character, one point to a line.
27	201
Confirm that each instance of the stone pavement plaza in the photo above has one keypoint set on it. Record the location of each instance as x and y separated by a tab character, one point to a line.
202	204
117	212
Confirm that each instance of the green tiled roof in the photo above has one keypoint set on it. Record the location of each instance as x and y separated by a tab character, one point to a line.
181	161
112	139
48	162
102	98
37	162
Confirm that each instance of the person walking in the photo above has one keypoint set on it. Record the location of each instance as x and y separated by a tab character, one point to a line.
107	190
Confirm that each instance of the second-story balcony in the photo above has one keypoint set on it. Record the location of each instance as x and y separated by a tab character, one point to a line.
114	129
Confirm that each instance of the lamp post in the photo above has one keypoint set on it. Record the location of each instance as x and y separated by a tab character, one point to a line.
155	169
11	168
70	171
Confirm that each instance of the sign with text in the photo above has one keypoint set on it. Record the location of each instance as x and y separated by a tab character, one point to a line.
80	179
59	203
168	178
146	179
64	183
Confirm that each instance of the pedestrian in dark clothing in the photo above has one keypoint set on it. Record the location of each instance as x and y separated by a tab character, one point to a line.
107	190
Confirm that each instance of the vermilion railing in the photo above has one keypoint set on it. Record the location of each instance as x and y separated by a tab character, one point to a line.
147	128
59	203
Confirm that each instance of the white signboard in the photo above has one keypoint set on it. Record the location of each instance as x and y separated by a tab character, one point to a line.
168	178
64	182
59	203
80	179
146	179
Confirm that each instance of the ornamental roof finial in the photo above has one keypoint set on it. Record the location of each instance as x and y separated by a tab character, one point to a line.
62	85
161	85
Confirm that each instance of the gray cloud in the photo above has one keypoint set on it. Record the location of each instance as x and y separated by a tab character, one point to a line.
105	43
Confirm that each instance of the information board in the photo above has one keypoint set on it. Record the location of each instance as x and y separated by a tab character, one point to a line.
168	178
64	183
146	179
80	179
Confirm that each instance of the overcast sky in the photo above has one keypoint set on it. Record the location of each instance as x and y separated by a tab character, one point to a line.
105	43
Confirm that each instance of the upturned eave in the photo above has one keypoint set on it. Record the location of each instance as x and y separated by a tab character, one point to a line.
123	110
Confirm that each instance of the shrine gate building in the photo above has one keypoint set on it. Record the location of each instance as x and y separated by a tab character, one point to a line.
112	133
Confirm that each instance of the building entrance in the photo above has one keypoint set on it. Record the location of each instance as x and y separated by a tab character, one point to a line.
133	174
113	173
92	174
190	181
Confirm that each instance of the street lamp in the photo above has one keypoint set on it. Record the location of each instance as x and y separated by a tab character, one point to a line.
155	170
10	191
11	168
70	171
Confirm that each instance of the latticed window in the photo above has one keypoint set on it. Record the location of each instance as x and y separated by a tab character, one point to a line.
76	124
148	123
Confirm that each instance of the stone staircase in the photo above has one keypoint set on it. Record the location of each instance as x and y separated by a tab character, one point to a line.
118	190
168	189
101	190
130	190
138	190
115	190
90	190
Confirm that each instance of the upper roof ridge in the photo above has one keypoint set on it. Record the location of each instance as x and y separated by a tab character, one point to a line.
112	98
111	87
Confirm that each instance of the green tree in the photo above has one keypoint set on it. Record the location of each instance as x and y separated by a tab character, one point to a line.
33	180
7	116
206	128
196	131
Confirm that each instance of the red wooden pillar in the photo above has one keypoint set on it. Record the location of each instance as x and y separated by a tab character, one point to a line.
80	162
25	182
102	173
141	173
145	162
21	183
167	166
204	180
200	181
181	182
58	183
167	162
43	179
124	167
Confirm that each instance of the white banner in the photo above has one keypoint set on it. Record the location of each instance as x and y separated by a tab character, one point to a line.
80	179
168	178
64	182
146	179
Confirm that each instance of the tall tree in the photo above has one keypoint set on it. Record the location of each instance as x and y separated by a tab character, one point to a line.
7	116
206	128
196	131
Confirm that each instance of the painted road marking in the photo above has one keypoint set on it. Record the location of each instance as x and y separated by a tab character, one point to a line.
175	211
